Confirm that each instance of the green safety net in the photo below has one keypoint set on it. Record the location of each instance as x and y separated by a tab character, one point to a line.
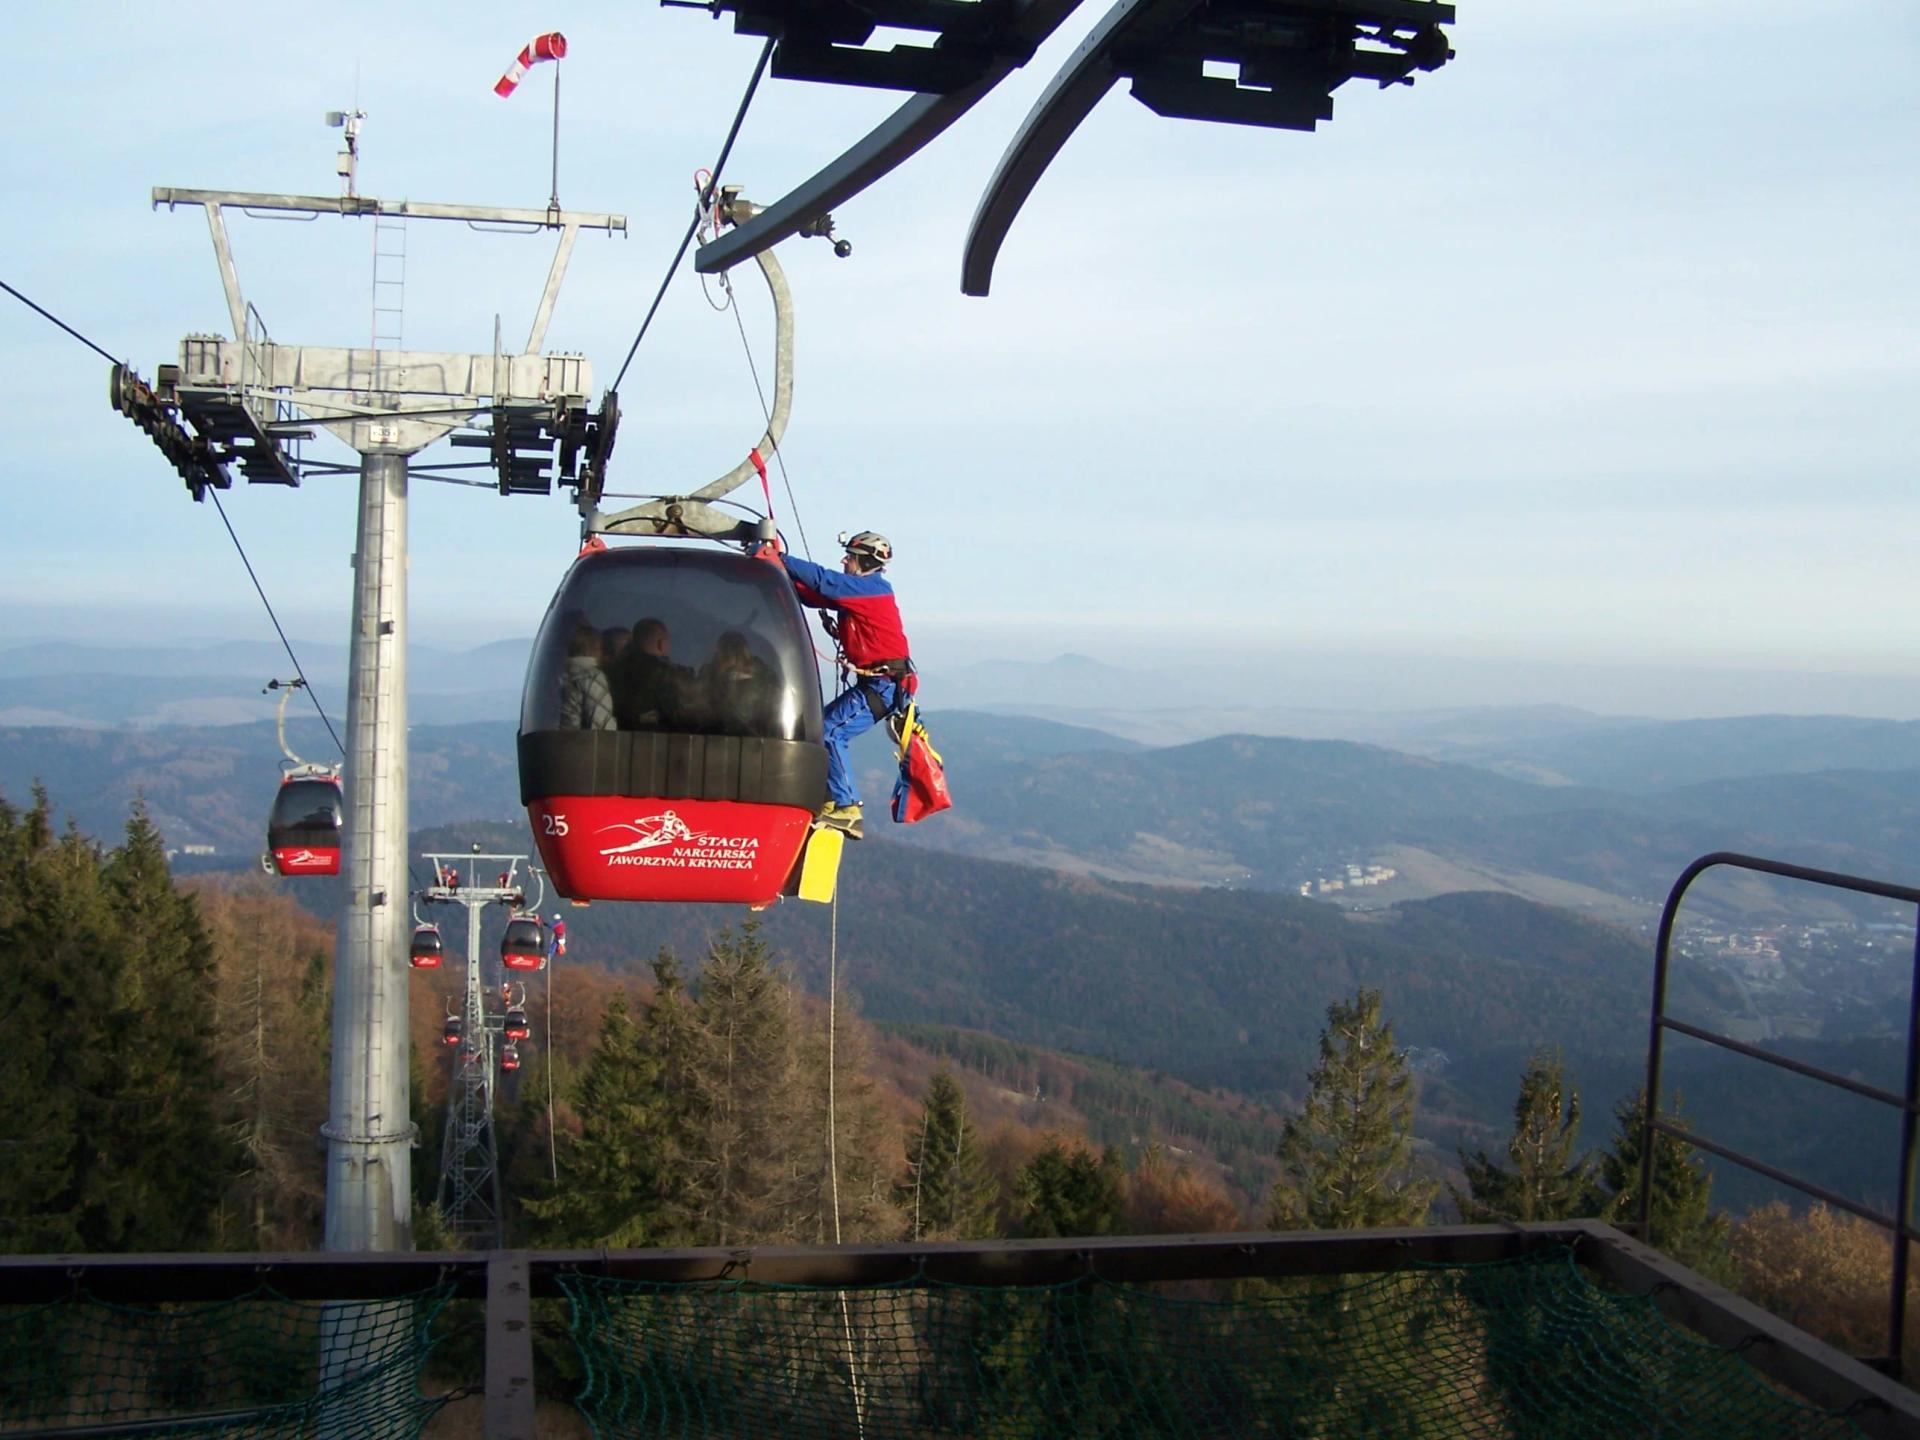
261	1365
1523	1348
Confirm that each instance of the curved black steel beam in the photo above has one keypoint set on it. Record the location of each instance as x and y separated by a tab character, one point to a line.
915	124
1081	84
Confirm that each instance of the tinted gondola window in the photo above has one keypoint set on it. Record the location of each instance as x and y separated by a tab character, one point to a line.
678	641
306	804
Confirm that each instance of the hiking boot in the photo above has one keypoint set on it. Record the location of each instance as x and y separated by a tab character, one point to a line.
843	817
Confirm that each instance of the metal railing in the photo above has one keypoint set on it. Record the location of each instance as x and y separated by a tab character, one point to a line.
508	1281
1900	1221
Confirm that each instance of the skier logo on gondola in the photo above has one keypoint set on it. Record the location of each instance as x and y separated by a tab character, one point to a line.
686	847
666	828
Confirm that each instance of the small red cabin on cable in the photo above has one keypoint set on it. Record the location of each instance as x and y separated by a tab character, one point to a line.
670	733
509	1057
524	946
451	1034
425	951
303	830
515	1026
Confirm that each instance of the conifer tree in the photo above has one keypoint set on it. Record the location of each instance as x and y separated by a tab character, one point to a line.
675	1036
1345	1159
613	1174
164	1160
1685	1225
112	984
1542	1179
843	1178
742	1089
36	1160
270	1041
948	1192
1066	1190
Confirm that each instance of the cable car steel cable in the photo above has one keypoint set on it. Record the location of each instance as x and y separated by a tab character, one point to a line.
706	198
286	644
260	590
304	824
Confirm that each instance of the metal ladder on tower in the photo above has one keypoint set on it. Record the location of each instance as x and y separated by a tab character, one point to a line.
389	292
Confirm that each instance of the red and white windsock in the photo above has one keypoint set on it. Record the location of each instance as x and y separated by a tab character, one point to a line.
551	46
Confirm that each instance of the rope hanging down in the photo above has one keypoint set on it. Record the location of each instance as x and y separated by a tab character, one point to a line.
779	457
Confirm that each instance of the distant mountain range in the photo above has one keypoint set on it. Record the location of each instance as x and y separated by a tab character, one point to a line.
1236	811
106	687
68	685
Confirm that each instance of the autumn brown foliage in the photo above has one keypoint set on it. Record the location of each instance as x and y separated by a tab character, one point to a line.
1826	1272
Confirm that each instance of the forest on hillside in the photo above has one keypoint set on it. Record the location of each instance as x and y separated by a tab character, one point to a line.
173	1044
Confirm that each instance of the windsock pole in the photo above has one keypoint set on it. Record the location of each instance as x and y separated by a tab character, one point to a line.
550	46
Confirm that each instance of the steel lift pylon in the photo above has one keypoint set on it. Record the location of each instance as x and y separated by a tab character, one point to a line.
248	400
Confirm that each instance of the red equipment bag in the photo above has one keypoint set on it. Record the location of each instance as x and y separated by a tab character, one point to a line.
921	789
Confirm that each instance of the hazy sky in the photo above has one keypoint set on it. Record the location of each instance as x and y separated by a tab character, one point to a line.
1598	346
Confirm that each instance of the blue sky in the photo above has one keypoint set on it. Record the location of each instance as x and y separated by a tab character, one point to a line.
1596	348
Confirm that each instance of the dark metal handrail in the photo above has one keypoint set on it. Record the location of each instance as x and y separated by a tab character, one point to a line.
1900	1222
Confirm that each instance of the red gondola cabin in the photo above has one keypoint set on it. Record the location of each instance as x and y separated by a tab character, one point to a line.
524	946
303	832
670	734
509	1057
425	951
515	1026
451	1034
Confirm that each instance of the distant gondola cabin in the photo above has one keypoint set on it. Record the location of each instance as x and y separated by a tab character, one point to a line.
509	1057
515	1026
426	949
524	946
670	731
451	1034
304	828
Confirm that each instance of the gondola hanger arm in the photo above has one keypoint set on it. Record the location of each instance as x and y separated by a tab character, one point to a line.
691	514
286	689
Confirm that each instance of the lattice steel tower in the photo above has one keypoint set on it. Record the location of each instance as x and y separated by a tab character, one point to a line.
468	1196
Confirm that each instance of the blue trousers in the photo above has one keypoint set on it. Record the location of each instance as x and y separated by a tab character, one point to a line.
848	716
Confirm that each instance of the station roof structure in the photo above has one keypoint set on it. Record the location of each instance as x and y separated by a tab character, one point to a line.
1269	63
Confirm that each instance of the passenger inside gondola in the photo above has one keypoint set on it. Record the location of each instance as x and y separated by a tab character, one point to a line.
613	644
586	699
650	691
741	692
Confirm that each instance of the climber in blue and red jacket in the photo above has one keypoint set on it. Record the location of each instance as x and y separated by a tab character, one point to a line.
866	625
